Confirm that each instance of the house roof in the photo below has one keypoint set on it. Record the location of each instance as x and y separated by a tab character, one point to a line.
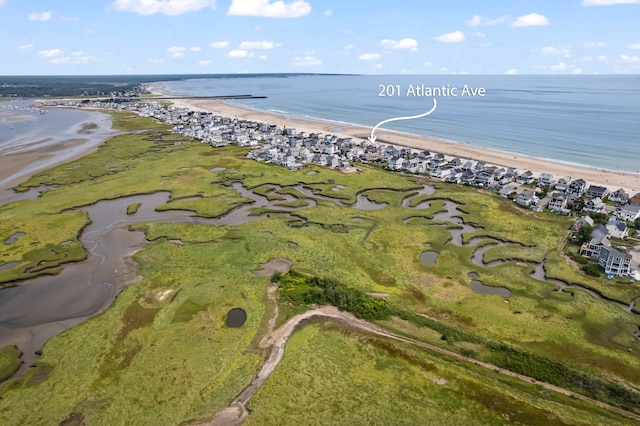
620	226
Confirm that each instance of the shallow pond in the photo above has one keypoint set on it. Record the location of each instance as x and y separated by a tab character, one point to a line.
236	318
14	237
487	290
429	257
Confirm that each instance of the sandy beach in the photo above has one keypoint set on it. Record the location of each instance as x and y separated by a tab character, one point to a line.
613	180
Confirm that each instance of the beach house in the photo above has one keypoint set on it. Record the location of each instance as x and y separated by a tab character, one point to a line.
619	196
595	191
630	212
599	239
617	229
577	187
558	201
527	198
614	262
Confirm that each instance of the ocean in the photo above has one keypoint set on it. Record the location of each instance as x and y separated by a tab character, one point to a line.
592	121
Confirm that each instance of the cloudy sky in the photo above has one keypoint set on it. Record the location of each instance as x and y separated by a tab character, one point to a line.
334	36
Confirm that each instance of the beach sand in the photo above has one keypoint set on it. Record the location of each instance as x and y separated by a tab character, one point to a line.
613	180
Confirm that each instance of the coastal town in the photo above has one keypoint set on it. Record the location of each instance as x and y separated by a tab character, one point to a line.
617	212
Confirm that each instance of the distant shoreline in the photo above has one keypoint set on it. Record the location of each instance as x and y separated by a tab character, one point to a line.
613	180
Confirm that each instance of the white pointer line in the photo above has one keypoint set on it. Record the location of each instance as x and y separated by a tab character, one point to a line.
373	138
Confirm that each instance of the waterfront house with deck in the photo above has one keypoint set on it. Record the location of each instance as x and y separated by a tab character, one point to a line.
577	187
614	262
629	212
619	196
595	191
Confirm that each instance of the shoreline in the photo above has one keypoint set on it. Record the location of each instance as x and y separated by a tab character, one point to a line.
30	158
613	180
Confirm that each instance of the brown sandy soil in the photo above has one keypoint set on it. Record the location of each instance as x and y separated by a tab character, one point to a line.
280	264
613	180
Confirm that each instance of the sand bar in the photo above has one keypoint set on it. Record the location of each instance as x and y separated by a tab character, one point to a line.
613	180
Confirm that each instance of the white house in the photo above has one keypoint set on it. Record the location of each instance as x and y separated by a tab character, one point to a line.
617	229
614	262
527	198
629	212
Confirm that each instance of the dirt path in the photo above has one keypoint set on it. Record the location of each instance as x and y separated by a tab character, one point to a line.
236	413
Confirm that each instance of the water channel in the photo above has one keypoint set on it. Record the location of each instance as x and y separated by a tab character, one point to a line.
40	308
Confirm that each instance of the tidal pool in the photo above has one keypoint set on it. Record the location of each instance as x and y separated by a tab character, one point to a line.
236	318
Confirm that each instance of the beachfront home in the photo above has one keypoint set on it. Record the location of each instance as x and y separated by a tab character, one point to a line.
614	262
599	239
595	205
595	191
527	198
617	229
546	180
563	183
558	201
582	221
629	212
395	163
510	174
525	178
635	199
507	191
577	187
619	196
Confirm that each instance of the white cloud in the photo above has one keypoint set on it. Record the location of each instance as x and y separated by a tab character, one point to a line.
378	66
565	51
263	57
626	59
478	35
263	45
165	7
454	37
176	51
51	53
306	61
369	57
511	71
195	49
328	12
238	53
156	61
595	44
207	62
26	46
267	9
348	47
219	44
608	2
635	46
2	2
74	59
427	63
531	20
405	43
603	58
560	66
478	20
576	71
42	17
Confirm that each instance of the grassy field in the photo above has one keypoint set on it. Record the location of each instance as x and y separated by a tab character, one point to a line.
332	375
162	352
9	361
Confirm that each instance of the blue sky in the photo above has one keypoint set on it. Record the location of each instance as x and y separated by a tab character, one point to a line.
369	37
